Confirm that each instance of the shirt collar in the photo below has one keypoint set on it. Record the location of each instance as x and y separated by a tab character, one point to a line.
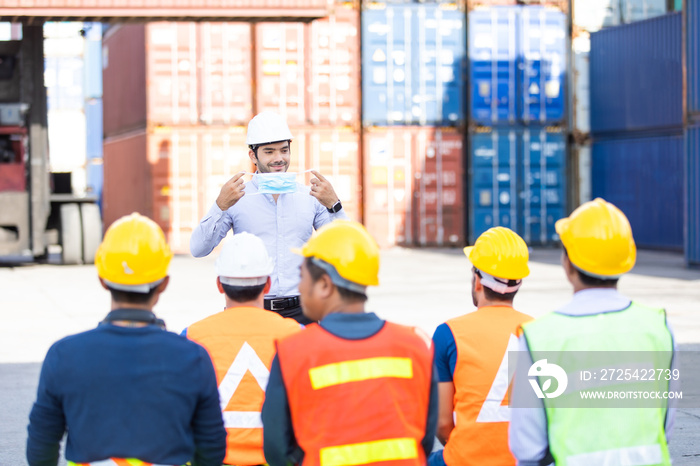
594	301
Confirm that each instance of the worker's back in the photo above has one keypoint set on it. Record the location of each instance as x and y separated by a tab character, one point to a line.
363	398
127	392
482	339
241	343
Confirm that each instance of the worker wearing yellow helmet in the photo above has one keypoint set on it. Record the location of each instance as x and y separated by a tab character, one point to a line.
128	390
471	354
598	329
352	389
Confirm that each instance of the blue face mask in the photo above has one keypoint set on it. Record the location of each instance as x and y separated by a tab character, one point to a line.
276	183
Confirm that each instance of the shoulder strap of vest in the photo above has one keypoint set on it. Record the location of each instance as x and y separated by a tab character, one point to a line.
133	315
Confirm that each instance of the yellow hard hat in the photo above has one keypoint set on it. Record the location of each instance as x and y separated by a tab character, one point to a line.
349	249
598	239
500	252
134	255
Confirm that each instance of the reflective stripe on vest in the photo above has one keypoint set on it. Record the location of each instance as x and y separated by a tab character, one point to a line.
616	436
240	342
355	402
631	456
117	462
483	339
358	370
370	452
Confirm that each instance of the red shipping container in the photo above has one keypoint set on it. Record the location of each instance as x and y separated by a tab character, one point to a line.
165	74
334	153
127	177
310	73
413	190
95	10
280	59
124	79
334	71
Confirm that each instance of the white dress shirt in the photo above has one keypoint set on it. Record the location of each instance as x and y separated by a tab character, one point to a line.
282	225
527	435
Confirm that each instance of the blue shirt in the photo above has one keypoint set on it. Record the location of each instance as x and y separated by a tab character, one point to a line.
445	353
280	444
127	392
527	434
282	225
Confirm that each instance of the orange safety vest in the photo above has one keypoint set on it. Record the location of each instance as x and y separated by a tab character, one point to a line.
481	381
241	344
358	401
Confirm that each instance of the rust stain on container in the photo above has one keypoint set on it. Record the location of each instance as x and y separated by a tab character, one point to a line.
413	186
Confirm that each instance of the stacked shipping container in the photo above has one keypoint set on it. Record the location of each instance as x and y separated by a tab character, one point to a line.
518	61
413	74
691	159
636	125
178	97
589	17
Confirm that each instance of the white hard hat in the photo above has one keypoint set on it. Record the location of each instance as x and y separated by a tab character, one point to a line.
267	127
244	261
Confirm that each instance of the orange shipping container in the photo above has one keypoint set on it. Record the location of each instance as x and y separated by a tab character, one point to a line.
413	183
174	175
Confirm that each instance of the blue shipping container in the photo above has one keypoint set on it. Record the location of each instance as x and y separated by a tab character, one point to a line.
493	55
93	61
413	65
543	64
692	194
636	76
518	181
643	176
692	55
93	130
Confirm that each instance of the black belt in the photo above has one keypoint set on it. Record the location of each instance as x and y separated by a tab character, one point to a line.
280	304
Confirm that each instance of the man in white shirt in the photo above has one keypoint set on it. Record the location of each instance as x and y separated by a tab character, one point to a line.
272	206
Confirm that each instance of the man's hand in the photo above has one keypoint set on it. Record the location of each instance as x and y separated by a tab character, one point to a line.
231	192
322	190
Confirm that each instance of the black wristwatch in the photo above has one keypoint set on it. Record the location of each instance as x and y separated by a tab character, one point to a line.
336	207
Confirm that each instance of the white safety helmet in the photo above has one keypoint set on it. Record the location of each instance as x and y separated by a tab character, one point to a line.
244	261
267	127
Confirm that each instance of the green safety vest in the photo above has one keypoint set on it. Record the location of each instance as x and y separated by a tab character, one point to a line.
610	435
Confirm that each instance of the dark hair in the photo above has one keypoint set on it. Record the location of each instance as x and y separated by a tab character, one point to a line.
588	280
317	272
242	294
493	296
129	297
